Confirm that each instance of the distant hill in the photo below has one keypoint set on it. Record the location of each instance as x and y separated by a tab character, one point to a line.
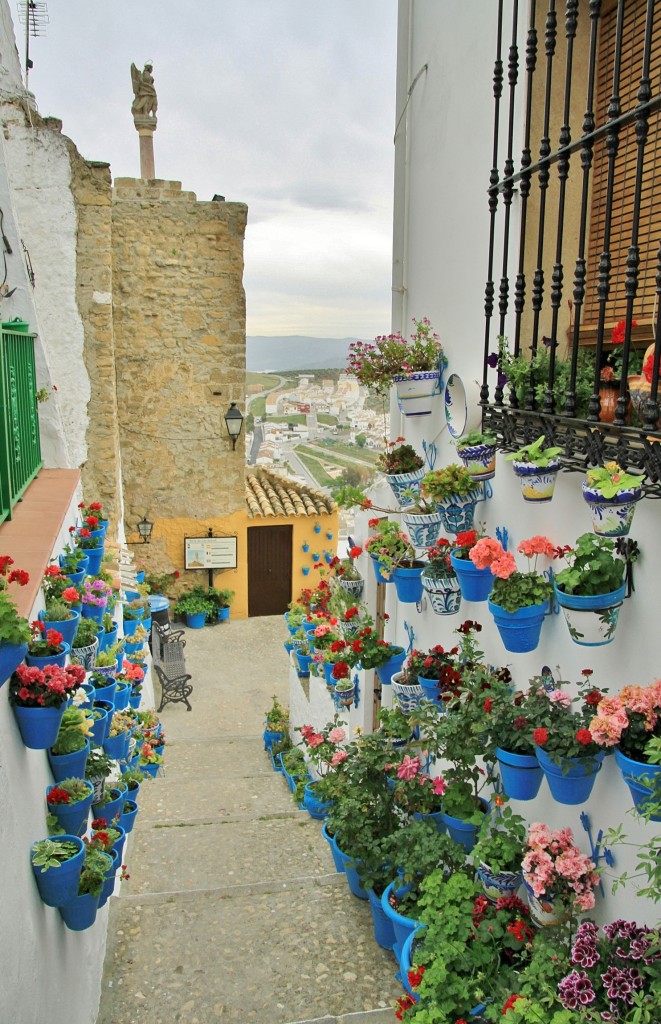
264	353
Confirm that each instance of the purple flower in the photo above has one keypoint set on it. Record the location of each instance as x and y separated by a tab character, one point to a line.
585	953
492	360
575	990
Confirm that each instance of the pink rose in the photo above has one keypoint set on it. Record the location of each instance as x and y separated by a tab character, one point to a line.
338	757
336	735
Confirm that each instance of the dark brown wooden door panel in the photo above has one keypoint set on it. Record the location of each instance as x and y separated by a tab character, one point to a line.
269	569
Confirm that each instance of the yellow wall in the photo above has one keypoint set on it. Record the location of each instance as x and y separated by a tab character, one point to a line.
168	539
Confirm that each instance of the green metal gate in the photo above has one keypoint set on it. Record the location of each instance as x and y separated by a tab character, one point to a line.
20	445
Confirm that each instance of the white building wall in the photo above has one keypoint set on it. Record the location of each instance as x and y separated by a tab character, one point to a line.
443	158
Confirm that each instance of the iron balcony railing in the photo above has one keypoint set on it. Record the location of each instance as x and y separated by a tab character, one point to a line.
574	227
20	446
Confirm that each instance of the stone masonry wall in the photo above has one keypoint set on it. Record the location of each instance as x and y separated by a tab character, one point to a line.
179	328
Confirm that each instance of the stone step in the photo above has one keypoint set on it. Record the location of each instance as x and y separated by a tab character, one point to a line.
231	755
386	1016
171	798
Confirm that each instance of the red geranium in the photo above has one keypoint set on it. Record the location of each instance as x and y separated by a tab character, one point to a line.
540	736
584	736
58	796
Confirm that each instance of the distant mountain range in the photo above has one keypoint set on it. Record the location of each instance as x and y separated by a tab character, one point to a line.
264	353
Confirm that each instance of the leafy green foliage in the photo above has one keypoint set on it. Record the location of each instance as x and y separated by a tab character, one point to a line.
594	567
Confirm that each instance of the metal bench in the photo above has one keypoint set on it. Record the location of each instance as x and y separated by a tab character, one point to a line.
161	637
174	689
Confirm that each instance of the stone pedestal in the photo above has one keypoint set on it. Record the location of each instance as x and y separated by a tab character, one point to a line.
145	127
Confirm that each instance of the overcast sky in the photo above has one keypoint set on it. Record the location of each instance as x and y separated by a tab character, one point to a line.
286	105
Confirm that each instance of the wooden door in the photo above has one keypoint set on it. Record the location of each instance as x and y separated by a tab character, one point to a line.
269	569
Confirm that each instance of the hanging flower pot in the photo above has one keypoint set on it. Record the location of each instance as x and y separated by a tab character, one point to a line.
66	627
457	513
71	816
519	630
642	779
406	695
38	726
537	483
462	831
572	780
408	583
476	584
353	587
344	694
80	913
479	460
612	517
424	528
37	661
416	391
391	667
58	884
591	619
304	661
376	565
109	878
69	766
128	815
11	656
405	482
520	774
85	656
497	884
443	591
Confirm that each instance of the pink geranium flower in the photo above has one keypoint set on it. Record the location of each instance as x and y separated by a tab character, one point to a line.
409	768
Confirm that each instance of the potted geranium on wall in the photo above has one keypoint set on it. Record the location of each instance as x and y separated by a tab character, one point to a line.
394	556
414	365
439	580
518	600
591	588
402	467
39	697
560	880
14	629
477	451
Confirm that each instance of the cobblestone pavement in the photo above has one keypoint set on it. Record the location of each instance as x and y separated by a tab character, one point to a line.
233	911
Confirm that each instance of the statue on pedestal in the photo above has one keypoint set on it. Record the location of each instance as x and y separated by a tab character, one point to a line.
144	93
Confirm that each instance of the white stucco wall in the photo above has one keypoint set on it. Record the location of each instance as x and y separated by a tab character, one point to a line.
440	260
36	198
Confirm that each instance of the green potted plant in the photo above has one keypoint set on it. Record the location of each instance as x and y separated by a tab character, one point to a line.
276	723
221	600
14	629
415	365
347	574
477	451
80	912
537	469
394	556
98	768
69	801
508	737
68	754
455	493
85	643
402	467
501	843
367	650
439	580
518	600
591	588
611	495
56	865
195	609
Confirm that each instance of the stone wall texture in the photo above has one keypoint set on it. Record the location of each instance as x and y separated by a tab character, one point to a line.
178	309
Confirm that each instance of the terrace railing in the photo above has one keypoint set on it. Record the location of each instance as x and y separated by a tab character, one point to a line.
20	446
574	261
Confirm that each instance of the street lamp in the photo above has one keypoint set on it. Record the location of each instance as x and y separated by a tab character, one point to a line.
234	423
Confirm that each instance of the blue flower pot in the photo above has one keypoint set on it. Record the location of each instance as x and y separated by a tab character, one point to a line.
134	701
223	614
401	482
393	665
49	659
109	708
133	792
463	832
519	630
113	807
444	592
196	621
633	773
423	529
11	656
520	774
304	661
80	913
108	639
58	886
127	818
402	926
82	565
384	933
271	738
106	693
353	878
380	578
94	612
337	860
457	513
130	626
38	726
109	883
574	784
67	627
140	576
117	747
72	817
476	584
405	963
315	808
150	769
95	557
69	766
592	619
99	727
408	584
328	673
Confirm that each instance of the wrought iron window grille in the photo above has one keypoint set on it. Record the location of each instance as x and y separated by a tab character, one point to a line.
602	267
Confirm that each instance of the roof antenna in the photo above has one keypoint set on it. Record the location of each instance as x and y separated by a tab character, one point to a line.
34	15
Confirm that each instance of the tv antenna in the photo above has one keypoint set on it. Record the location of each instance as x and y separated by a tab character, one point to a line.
34	15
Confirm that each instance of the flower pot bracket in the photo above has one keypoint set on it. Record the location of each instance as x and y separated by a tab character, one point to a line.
597	851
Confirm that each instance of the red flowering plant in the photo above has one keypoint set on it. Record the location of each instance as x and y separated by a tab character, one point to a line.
50	687
391	548
94	509
88	542
509	720
562	722
53	583
612	369
375	363
415	791
464	543
399	457
368	650
344	568
439	665
438	557
43	641
323	748
512	589
14	629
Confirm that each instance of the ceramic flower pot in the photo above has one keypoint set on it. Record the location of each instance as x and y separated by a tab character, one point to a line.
37	661
376	565
611	517
72	817
444	592
570	781
405	482
545	911
457	513
476	584
479	460
424	529
641	778
537	483
353	587
519	630
406	696
393	665
416	391
408	583
38	726
66	627
498	883
59	885
591	620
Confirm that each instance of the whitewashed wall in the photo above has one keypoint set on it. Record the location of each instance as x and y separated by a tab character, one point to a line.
443	157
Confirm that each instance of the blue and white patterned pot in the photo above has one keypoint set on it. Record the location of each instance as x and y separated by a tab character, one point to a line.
400	482
479	460
353	587
405	696
423	529
537	484
457	512
592	619
415	391
498	883
611	517
444	592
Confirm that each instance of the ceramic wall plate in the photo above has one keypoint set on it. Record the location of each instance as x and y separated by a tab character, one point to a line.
463	412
